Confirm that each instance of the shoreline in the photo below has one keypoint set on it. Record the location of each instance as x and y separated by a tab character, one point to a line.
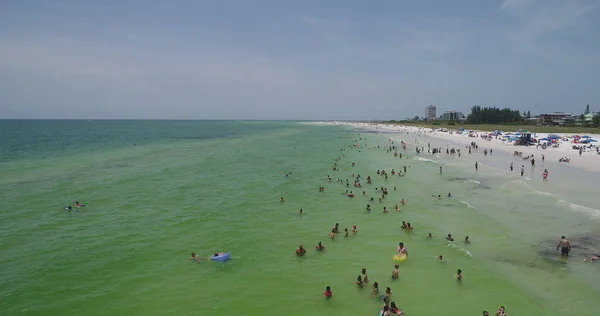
588	161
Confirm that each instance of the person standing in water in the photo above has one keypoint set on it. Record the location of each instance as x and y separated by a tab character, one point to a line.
476	165
328	293
395	272
511	166
565	244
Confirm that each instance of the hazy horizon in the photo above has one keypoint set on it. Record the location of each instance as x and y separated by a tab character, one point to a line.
281	60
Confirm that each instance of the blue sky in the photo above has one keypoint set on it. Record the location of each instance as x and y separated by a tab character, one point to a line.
280	59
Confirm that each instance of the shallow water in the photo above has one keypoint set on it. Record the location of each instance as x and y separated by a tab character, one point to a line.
215	186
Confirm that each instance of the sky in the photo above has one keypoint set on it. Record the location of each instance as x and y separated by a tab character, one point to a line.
295	60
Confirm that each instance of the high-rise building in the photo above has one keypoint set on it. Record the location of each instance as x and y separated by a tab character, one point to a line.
430	112
587	110
452	116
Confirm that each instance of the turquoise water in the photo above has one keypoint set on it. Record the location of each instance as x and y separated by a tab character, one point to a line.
195	186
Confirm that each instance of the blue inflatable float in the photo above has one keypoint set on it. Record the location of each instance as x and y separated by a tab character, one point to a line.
221	257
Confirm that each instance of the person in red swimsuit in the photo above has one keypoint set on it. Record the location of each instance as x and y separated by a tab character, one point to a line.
328	292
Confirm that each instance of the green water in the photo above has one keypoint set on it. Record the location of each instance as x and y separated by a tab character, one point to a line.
215	186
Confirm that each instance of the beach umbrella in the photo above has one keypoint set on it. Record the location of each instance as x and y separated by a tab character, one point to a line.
544	139
592	141
585	136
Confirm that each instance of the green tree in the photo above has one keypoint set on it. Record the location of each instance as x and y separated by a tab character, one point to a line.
493	115
596	120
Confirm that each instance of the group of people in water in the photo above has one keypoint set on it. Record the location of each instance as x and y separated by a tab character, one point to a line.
76	204
389	307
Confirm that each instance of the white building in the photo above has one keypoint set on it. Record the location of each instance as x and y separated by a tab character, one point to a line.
452	116
430	112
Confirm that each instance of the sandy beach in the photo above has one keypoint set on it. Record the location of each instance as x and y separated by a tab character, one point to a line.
589	159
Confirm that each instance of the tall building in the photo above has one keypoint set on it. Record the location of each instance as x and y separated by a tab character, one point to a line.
430	112
452	116
587	110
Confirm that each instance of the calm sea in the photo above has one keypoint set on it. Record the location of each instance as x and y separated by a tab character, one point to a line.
155	191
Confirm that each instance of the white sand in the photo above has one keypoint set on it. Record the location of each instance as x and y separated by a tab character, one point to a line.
589	159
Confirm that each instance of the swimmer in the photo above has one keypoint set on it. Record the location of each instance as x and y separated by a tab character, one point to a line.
402	202
449	195
364	275
385	311
68	208
395	310
300	252
354	230
375	288
300	212
388	292
77	204
408	227
404	226
345	232
281	199
332	234
402	250
501	311
467	241
216	254
459	275
429	235
320	247
385	209
592	258
368	207
449	237
485	313
328	293
395	272
397	208
440	258
194	257
359	282
336	228
565	244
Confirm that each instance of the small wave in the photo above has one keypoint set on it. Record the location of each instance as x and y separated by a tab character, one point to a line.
425	159
579	208
453	245
531	189
468	204
472	181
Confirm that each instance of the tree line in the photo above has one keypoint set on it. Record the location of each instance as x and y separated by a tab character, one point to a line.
493	115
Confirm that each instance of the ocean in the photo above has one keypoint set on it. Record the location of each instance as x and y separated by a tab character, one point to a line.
156	191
